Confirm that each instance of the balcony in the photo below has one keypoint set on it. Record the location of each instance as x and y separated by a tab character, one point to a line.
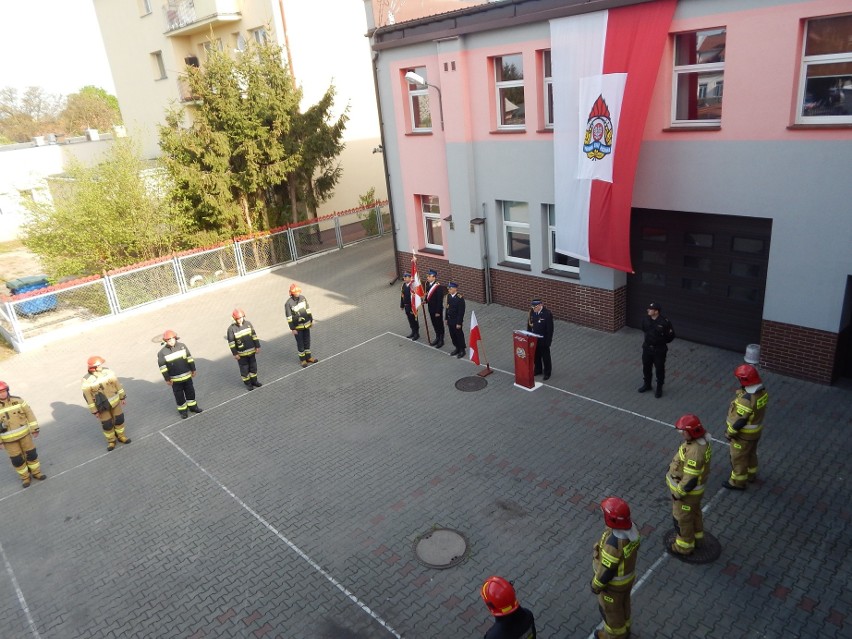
186	17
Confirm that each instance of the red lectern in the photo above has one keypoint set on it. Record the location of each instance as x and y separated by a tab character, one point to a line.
524	343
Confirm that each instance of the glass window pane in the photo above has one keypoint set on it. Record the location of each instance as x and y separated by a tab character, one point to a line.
422	115
747	245
433	232
518	244
828	89
700	47
741	269
510	67
699	96
653	279
512	105
549	103
698	263
743	293
558	259
653	257
651	234
516	212
829	35
551	215
704	240
695	285
547	71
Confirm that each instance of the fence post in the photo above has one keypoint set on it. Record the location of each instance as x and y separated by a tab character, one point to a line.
337	233
377	211
177	267
16	326
292	241
238	256
112	295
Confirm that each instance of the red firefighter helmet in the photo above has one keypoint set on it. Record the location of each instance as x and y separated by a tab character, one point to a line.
94	362
238	313
499	595
616	513
691	424
169	335
747	374
295	289
4	387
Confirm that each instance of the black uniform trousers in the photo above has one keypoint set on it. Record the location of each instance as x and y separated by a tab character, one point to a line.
303	343
654	357
184	394
412	320
542	358
457	337
248	367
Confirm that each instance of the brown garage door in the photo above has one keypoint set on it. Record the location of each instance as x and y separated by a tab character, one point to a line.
708	272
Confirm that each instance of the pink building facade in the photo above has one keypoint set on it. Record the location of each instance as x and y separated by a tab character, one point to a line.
740	218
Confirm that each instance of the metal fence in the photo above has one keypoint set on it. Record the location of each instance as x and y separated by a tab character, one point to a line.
42	313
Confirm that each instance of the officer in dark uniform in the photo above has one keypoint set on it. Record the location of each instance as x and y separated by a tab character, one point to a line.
405	304
658	333
540	322
455	319
435	292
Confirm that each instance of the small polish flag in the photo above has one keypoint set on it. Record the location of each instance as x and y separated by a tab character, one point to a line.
475	337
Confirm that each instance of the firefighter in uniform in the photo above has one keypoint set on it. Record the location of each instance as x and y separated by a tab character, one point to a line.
435	293
510	620
614	563
455	319
105	397
178	369
686	479
405	305
297	311
540	322
745	423
245	347
18	428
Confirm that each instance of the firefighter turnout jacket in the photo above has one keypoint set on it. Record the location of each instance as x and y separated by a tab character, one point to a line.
746	414
298	313
16	419
689	468
101	387
614	562
242	340
176	363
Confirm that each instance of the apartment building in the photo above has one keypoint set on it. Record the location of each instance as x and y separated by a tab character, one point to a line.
713	179
149	44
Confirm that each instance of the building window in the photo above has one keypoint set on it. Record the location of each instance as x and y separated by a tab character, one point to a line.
418	102
159	66
260	35
509	83
516	231
825	83
145	7
240	43
431	210
212	45
558	261
548	89
699	67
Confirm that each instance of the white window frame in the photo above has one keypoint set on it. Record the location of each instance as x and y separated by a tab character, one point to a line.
703	68
512	226
547	82
159	65
260	35
500	85
240	42
573	265
807	61
145	6
417	95
430	217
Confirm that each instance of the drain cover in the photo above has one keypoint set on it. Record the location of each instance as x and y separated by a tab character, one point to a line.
441	548
708	551
470	384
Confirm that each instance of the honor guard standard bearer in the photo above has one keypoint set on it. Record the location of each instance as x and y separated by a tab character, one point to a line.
510	620
178	369
105	397
244	345
614	562
455	319
300	319
686	479
405	305
745	423
18	427
435	293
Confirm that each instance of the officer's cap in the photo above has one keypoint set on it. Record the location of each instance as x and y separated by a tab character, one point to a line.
432	272
535	303
452	285
653	306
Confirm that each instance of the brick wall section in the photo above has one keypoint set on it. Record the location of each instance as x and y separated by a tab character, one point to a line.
800	352
566	299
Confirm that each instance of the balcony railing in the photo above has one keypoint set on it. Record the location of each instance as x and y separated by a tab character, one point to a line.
184	17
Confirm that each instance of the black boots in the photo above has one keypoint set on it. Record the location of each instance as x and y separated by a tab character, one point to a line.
644	387
415	337
659	392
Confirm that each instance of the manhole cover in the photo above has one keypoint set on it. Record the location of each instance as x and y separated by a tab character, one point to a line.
158	338
441	548
470	384
706	551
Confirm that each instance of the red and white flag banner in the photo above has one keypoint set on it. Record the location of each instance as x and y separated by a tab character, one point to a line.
416	288
474	339
605	64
